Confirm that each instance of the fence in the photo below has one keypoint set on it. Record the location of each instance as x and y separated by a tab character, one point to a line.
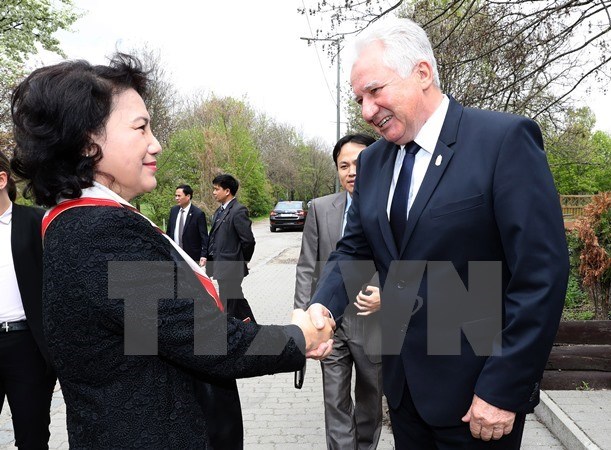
573	205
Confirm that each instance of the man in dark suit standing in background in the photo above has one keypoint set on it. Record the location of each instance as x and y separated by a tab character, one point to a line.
232	245
187	225
26	376
449	192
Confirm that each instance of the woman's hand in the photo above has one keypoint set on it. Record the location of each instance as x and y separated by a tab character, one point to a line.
368	301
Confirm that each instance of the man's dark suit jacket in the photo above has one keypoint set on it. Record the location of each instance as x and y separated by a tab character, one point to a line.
232	242
488	195
26	247
194	233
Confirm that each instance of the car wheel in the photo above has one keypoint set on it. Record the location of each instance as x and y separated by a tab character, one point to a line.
272	229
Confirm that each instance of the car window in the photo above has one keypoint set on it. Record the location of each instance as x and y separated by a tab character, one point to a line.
289	205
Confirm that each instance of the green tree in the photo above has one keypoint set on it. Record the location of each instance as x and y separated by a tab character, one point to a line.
279	146
240	157
225	135
317	171
229	125
580	159
10	73
180	163
601	142
297	170
24	25
214	136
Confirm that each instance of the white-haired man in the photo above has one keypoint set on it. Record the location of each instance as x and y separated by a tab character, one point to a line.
450	194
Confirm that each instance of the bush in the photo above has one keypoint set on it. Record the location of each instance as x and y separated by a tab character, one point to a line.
594	249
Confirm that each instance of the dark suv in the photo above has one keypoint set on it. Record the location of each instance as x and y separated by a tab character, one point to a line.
288	214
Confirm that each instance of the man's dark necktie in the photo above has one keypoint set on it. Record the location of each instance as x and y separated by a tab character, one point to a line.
398	208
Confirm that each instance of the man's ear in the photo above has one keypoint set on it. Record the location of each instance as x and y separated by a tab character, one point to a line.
3	180
424	70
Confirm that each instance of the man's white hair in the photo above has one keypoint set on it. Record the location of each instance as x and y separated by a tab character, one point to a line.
405	43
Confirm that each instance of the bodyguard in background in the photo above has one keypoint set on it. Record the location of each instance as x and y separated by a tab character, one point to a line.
187	225
231	247
349	424
26	376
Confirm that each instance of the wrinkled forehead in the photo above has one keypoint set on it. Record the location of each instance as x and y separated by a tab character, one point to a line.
369	67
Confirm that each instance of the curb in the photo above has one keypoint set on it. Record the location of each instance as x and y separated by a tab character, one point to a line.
561	425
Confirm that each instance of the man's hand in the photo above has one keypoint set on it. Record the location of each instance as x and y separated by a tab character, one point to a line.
488	422
202	262
318	335
368	301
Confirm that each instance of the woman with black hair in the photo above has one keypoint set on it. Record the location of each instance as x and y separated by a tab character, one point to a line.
142	349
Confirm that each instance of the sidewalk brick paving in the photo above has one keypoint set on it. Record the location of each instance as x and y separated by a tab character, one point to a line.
276	415
590	412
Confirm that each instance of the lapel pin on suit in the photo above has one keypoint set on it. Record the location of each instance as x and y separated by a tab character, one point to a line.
438	160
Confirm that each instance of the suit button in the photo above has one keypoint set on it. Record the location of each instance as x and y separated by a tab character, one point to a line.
401	284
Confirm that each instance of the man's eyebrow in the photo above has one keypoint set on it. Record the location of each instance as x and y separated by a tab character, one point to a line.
371	85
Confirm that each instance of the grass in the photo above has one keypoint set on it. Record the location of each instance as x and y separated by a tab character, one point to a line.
577	305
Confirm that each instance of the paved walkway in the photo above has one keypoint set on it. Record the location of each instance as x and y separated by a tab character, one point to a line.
580	419
278	416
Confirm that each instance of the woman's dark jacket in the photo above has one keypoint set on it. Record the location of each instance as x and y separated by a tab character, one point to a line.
115	399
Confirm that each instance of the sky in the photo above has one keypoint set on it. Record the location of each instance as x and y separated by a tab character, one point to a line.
241	48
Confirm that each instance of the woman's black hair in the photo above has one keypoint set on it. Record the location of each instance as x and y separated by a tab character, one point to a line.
56	112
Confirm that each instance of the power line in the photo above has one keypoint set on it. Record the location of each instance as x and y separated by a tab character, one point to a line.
317	54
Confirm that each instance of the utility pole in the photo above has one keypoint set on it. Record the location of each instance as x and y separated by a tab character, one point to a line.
338	105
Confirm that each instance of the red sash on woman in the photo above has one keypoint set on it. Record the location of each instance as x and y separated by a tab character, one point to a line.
91	201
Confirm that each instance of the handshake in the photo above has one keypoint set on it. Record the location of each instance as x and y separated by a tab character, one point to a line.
317	326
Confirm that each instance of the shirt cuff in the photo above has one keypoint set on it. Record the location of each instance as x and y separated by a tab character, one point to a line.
330	313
